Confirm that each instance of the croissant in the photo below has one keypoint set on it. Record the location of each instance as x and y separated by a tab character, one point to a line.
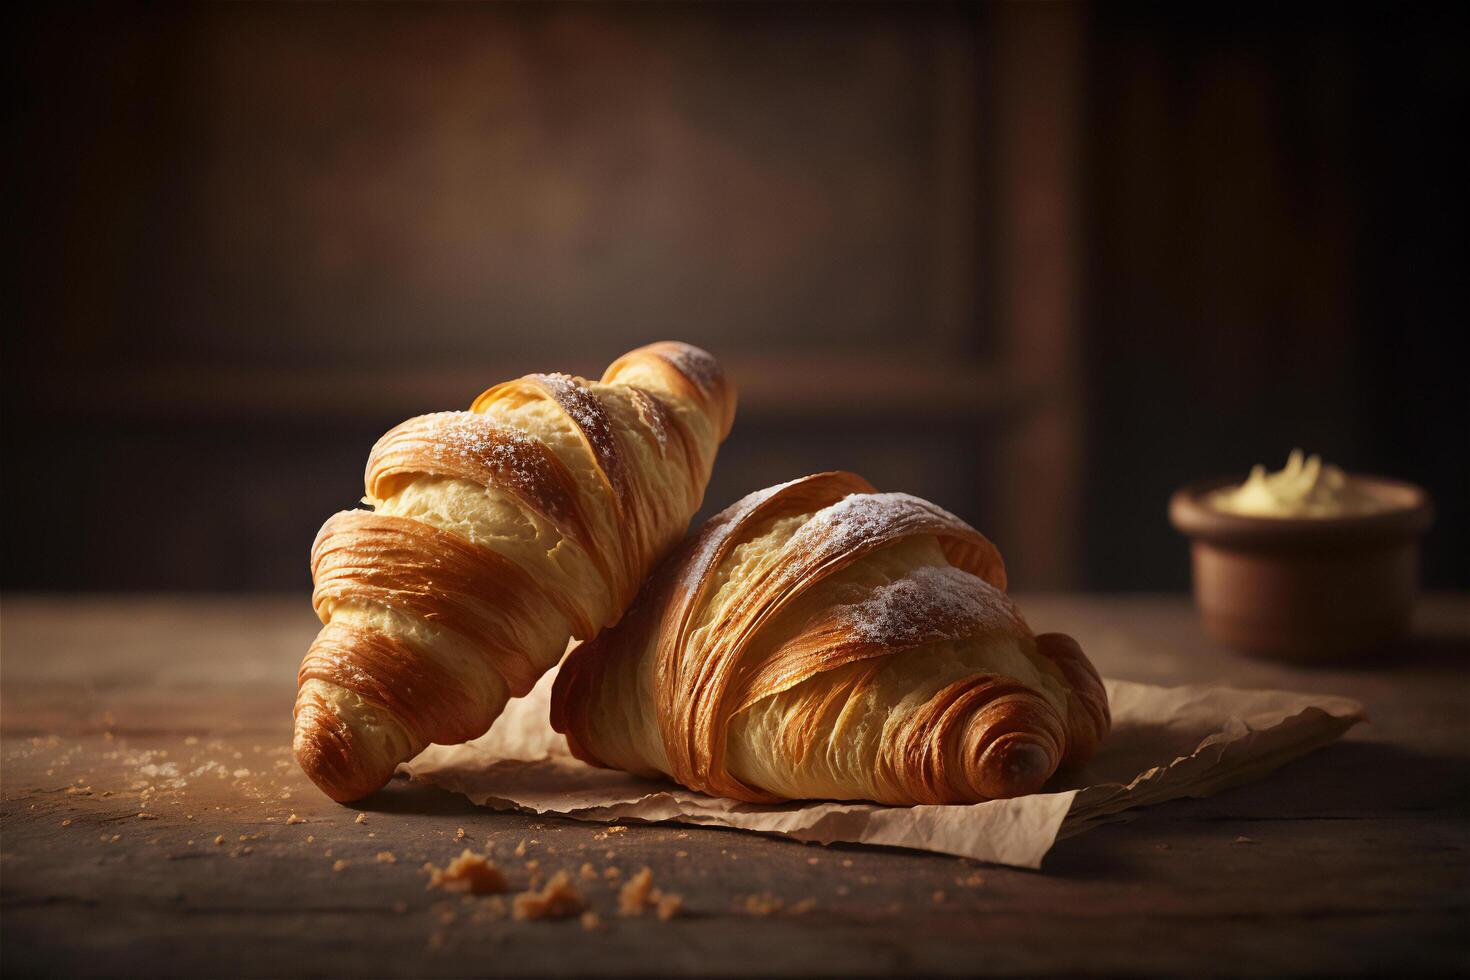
495	535
818	639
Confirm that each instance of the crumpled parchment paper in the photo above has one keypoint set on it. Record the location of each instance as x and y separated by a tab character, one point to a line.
1166	743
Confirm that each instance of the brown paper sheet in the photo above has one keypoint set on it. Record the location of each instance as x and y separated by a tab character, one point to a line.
1166	743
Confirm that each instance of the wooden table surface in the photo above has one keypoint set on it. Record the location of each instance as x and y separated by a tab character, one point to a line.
147	788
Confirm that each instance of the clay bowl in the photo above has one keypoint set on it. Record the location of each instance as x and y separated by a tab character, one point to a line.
1305	589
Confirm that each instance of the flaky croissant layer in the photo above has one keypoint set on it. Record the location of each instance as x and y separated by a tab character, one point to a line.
821	640
495	535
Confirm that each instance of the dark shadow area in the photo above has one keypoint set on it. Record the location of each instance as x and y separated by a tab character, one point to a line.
1039	263
412	796
1447	650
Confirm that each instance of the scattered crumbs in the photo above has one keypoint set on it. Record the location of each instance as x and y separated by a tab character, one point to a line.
219	838
339	864
294	819
587	872
386	857
938	896
244	837
681	854
867	880
609	854
617	829
763	903
847	862
241	773
611	872
591	921
811	860
520	850
804	906
191	740
971	880
557	900
681	836
115	838
637	893
459	834
147	816
311	838
247	849
470	872
372	833
66	822
1245	840
361	818
190	816
188	843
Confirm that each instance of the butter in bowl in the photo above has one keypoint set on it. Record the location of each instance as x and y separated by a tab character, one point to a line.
1308	563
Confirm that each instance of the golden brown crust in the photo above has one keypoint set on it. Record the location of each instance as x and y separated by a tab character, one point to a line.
430	621
1088	700
329	753
982	736
690	372
381	668
472	447
392	561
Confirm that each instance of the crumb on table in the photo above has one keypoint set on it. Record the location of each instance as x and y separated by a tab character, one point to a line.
557	900
470	872
639	894
763	903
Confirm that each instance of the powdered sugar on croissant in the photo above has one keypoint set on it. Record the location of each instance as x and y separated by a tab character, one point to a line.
822	640
495	535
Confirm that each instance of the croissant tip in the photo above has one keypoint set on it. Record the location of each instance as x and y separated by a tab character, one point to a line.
324	755
1015	766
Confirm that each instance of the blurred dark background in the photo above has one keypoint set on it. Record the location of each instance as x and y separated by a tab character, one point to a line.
1039	263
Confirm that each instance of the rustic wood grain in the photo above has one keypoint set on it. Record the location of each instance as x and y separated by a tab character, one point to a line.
134	732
